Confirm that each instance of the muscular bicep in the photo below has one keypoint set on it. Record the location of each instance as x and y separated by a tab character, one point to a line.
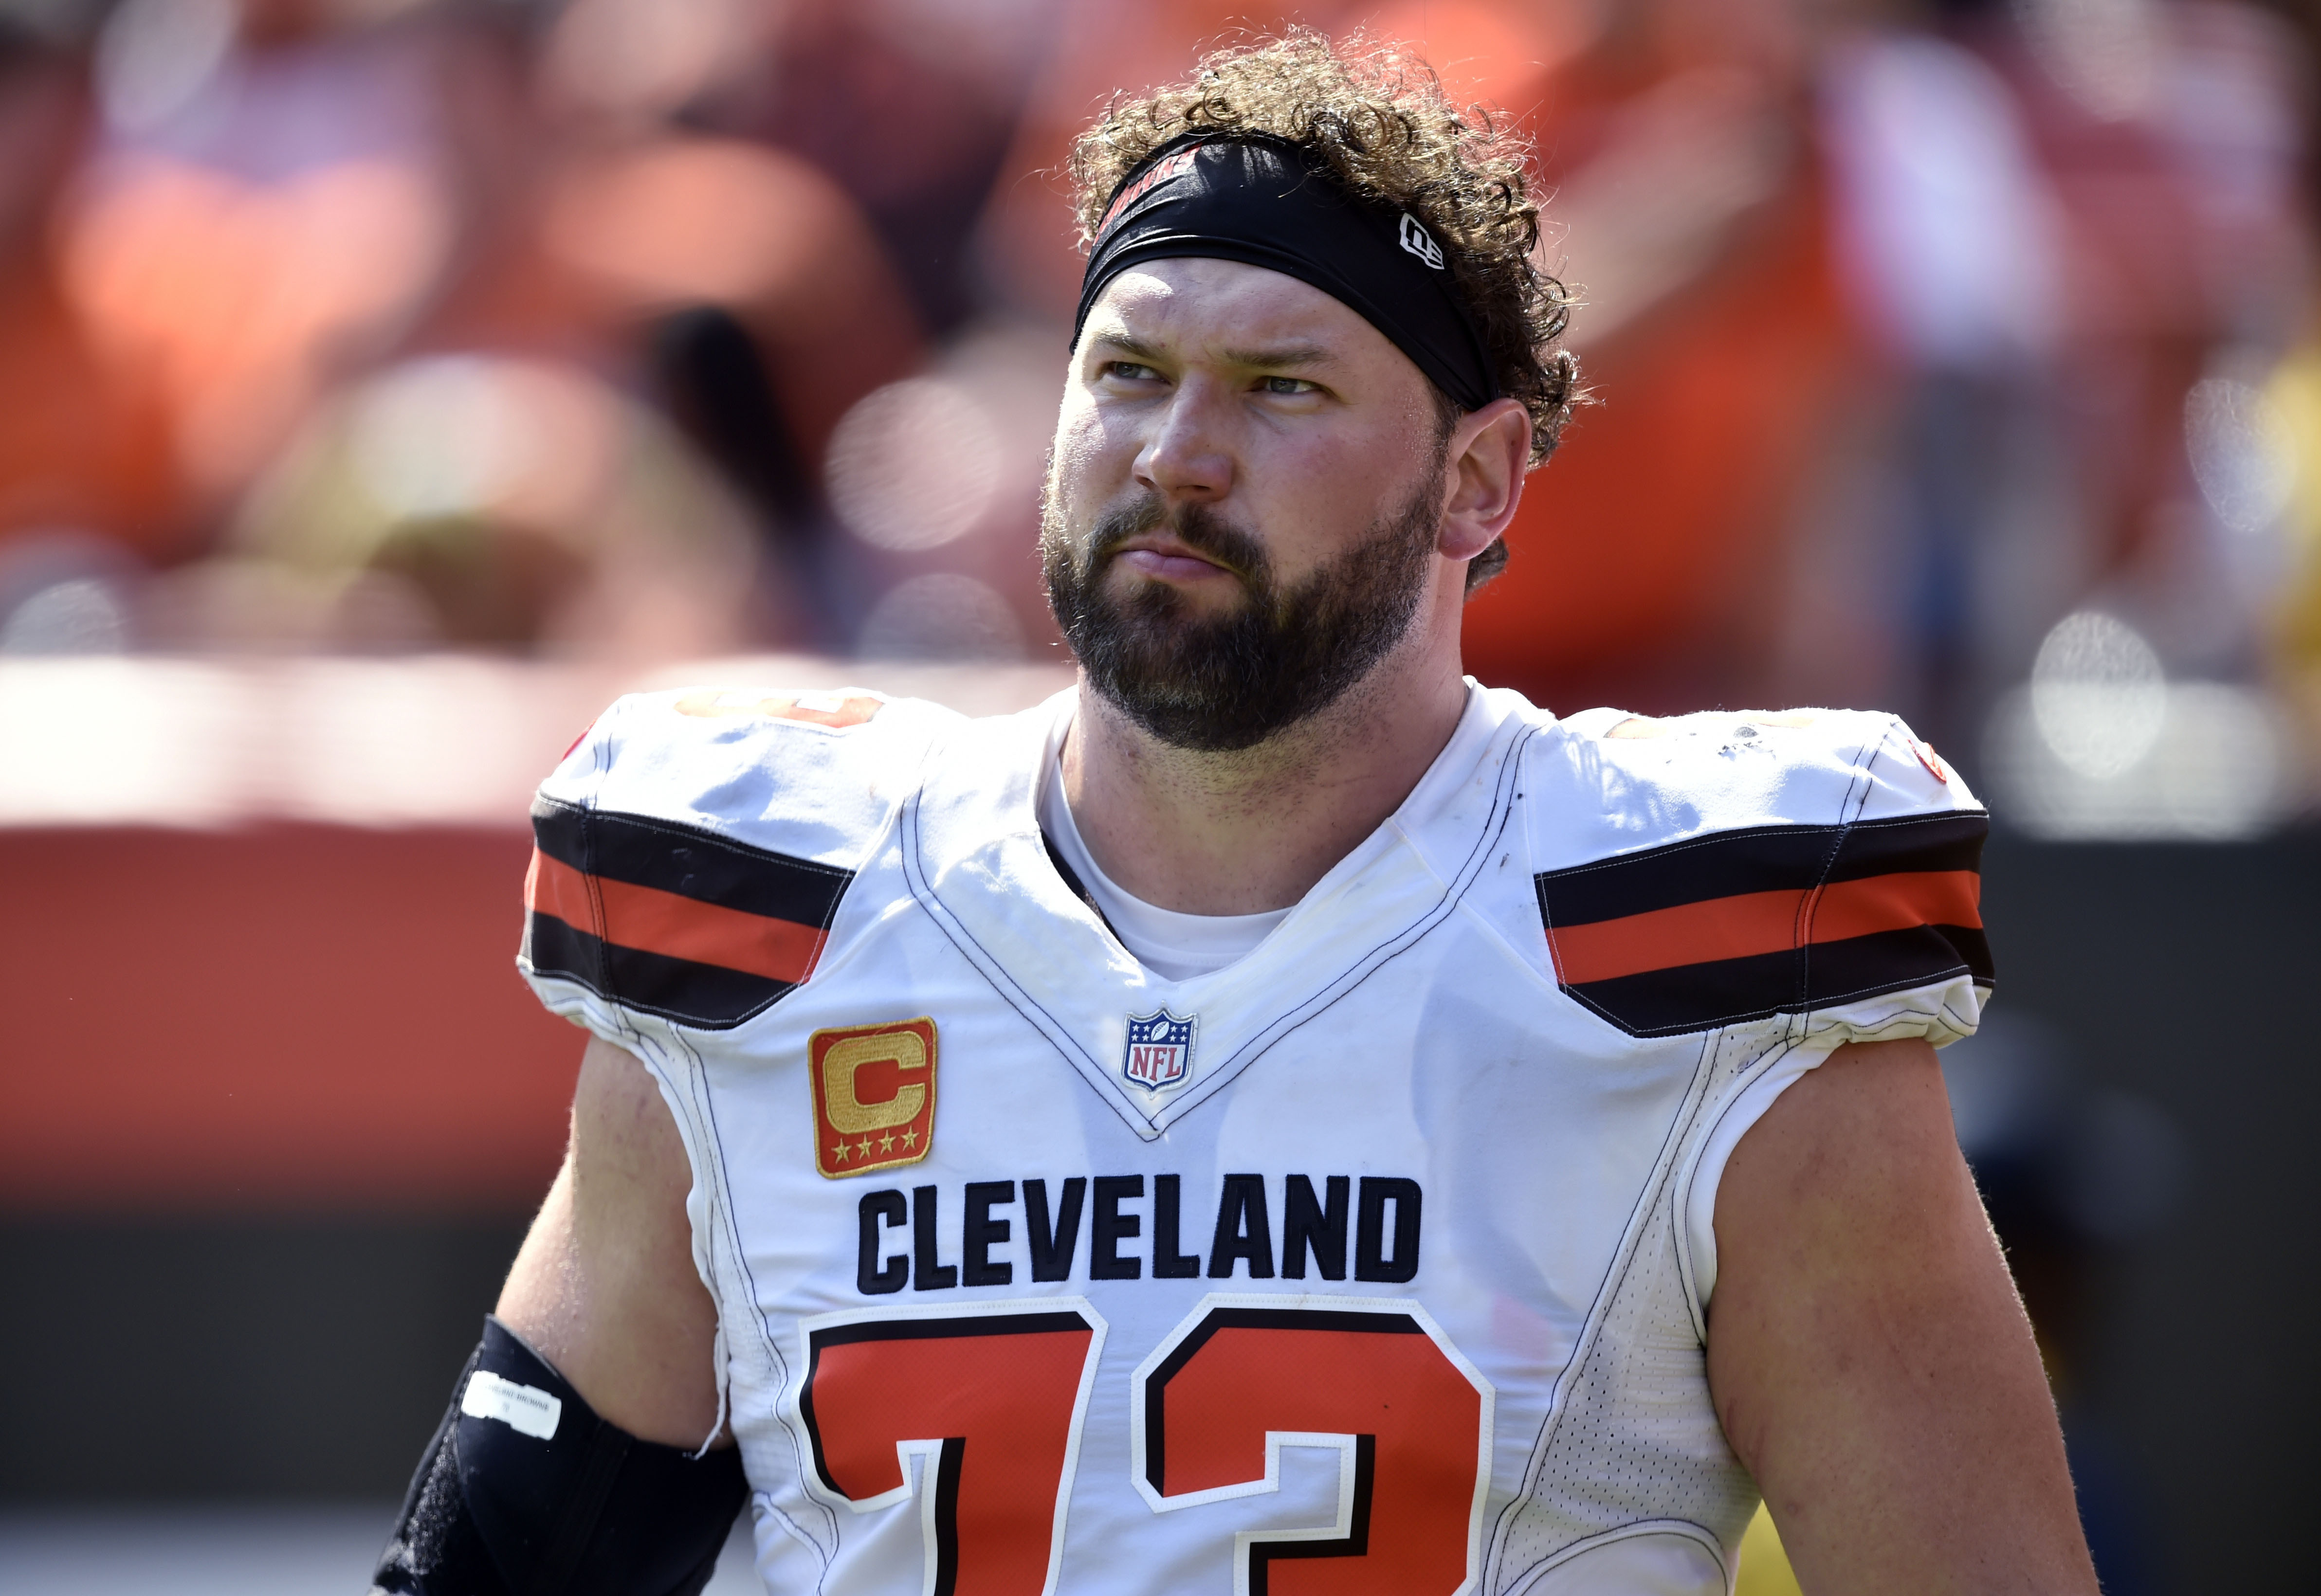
1869	1357
604	1287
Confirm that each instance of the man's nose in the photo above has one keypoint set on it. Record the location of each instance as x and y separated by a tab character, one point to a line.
1185	458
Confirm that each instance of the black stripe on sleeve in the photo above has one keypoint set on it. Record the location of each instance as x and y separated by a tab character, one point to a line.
1725	992
1894	961
689	862
709	997
1952	841
1762	859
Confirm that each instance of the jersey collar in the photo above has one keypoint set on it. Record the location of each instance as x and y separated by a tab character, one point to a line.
976	861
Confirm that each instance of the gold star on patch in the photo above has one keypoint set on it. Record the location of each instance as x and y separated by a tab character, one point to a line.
910	1138
887	1142
843	1152
863	1147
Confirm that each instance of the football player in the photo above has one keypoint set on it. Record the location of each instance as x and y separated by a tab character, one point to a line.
1280	1116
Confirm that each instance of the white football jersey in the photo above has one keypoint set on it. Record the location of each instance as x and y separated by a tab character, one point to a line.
1373	1263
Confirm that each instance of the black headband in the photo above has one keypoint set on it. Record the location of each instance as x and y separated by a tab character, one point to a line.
1256	199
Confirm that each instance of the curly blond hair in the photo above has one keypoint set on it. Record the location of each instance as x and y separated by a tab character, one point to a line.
1377	118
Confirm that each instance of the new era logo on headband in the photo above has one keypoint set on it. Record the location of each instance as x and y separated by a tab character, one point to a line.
1419	243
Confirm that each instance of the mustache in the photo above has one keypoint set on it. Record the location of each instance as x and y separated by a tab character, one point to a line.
1197	526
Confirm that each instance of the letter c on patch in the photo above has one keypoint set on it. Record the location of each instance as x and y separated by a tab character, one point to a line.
904	1049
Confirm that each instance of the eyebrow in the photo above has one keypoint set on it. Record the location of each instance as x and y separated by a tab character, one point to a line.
1264	360
1135	348
1291	354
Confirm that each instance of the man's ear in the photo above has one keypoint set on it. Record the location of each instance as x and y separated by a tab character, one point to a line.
1488	451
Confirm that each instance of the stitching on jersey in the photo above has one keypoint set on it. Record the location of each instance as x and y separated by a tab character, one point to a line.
1849	805
1544	982
1490	923
758	1315
1791	830
1689	1170
603	986
1799	1029
697	1087
1648	1198
763	1500
833	955
1599	1308
1970	1021
1909	983
713	838
1910	819
1684	1527
692	1021
1935	981
623	1024
1781	829
1549	978
795	1531
1855	799
995	974
1380	954
1341	987
1801	927
722	1218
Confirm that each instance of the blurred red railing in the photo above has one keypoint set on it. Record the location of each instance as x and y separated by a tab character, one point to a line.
258	925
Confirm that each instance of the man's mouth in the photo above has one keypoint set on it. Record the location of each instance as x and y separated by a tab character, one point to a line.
1168	559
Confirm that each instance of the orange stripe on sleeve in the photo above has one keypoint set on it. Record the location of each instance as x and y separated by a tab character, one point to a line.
674	926
1746	924
1896	902
1736	927
554	888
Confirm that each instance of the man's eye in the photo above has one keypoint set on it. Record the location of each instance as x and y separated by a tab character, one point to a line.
1130	371
1285	385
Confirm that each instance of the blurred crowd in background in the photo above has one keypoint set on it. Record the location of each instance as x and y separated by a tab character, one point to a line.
1958	358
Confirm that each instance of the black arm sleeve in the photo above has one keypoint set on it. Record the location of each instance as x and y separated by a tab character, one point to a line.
587	1510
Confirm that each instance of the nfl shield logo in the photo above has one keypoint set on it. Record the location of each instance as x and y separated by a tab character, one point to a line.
1160	1049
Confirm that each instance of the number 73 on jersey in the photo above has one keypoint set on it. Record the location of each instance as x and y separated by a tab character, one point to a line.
992	1398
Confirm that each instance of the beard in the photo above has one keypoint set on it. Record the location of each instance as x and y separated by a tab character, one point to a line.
1214	683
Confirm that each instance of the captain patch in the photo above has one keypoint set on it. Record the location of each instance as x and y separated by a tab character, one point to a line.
874	1095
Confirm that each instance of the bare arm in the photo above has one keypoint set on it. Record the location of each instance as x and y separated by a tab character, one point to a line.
1870	1359
604	1287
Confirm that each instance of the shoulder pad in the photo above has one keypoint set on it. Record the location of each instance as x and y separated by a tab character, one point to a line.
691	850
1718	869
